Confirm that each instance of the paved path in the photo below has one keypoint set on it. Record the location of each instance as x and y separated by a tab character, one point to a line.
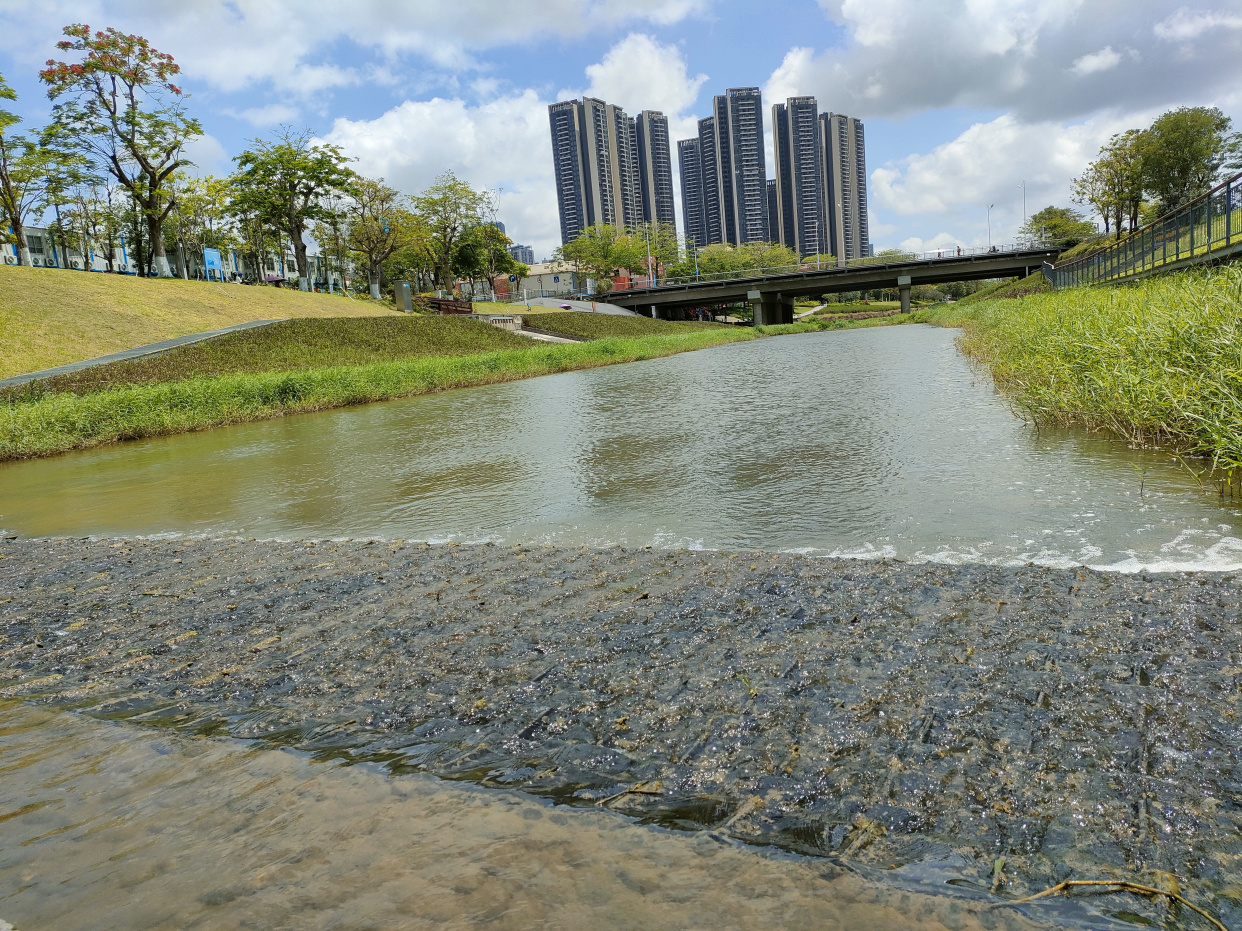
598	307
150	349
543	337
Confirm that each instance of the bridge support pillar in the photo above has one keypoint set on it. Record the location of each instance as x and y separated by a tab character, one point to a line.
903	287
769	309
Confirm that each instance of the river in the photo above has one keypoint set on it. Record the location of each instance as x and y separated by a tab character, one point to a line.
873	442
906	723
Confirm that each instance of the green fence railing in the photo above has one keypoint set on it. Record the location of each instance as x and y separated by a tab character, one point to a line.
1208	229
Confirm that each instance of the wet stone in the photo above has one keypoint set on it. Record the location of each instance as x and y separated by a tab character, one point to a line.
1078	723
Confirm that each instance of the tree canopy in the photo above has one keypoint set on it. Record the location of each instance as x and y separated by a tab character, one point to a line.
1063	226
286	182
119	107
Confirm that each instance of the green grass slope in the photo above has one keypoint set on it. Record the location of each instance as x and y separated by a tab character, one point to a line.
50	317
289	346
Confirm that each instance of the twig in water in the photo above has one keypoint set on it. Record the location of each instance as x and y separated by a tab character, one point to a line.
641	788
1120	885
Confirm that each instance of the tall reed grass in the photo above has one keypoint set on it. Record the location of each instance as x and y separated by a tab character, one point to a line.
1157	362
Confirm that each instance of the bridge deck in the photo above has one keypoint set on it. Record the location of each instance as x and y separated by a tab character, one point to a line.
860	277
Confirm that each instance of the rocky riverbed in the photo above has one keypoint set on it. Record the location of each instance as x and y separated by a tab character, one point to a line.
918	722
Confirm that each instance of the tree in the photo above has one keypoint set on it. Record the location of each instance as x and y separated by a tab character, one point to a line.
198	219
1063	226
378	225
448	208
1185	152
30	171
286	182
601	251
482	252
1091	189
122	110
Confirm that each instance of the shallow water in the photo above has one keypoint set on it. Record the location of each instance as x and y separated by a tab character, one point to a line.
867	442
105	826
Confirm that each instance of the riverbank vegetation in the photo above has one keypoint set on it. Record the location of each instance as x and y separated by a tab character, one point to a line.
577	325
287	346
1155	362
58	422
50	317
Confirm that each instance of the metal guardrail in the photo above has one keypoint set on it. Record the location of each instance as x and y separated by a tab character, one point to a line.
1207	229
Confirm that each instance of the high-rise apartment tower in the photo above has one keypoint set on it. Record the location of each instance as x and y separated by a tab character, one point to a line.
691	168
608	167
655	168
730	188
796	148
844	185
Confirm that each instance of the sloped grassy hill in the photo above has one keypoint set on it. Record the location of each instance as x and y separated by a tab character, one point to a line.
50	317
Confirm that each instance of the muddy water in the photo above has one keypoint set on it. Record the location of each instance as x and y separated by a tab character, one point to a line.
872	441
105	826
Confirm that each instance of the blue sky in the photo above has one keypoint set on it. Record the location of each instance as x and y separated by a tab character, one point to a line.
962	99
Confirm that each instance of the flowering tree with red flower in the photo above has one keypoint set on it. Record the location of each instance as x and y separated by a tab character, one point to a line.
119	106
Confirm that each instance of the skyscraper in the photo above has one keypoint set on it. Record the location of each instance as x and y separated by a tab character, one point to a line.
730	186
797	151
568	168
655	169
844	158
602	173
691	168
750	177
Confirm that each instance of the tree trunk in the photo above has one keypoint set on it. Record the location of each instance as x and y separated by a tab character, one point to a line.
23	250
373	278
299	253
159	258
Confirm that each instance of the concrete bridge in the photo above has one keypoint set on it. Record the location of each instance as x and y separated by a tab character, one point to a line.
772	295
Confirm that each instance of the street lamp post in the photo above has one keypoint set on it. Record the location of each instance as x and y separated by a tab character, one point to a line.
990	206
1022	184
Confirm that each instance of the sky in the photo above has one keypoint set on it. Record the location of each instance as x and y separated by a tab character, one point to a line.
966	103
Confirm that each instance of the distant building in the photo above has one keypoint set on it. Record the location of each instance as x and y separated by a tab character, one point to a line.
500	226
799	220
655	169
691	169
773	211
523	254
731	184
609	168
843	152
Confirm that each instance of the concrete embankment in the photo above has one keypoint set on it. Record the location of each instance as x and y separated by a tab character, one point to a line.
919	720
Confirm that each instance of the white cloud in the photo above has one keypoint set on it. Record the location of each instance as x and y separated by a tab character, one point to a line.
234	44
1023	56
271	115
1104	60
208	156
1184	26
638	73
503	143
952	185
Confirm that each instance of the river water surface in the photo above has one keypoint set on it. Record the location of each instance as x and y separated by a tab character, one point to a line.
867	442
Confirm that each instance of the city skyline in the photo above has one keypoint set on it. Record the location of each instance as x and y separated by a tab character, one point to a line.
1014	92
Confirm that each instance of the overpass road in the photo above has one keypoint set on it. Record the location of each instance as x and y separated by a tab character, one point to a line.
772	296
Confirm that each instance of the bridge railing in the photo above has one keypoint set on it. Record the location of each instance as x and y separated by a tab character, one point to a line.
948	252
1206	229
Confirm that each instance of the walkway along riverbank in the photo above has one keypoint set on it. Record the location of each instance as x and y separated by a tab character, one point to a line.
915	723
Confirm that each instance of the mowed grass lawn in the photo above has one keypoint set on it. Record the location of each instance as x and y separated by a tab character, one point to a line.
50	317
290	345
